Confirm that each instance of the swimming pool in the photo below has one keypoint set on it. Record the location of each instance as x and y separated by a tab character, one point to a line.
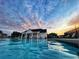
36	49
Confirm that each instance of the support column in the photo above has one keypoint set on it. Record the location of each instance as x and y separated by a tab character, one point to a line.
21	36
26	35
37	35
31	35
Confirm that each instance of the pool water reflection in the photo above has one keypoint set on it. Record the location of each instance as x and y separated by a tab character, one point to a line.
36	49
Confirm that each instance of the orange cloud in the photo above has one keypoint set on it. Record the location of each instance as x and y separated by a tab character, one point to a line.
74	20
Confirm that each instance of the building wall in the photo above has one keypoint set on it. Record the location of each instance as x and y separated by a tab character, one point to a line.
43	35
72	34
35	34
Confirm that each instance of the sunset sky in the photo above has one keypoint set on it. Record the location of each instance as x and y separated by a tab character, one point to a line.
56	16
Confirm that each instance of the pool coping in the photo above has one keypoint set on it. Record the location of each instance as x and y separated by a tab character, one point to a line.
72	42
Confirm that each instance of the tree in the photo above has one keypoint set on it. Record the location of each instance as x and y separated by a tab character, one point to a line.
52	35
1	32
16	34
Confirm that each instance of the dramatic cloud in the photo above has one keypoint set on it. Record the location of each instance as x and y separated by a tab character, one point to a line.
74	20
20	15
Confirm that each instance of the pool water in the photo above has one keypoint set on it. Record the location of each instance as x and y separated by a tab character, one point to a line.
36	49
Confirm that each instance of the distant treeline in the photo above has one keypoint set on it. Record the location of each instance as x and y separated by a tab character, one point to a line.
2	35
16	34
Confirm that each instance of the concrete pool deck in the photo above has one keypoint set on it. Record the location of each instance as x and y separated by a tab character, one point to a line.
73	42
